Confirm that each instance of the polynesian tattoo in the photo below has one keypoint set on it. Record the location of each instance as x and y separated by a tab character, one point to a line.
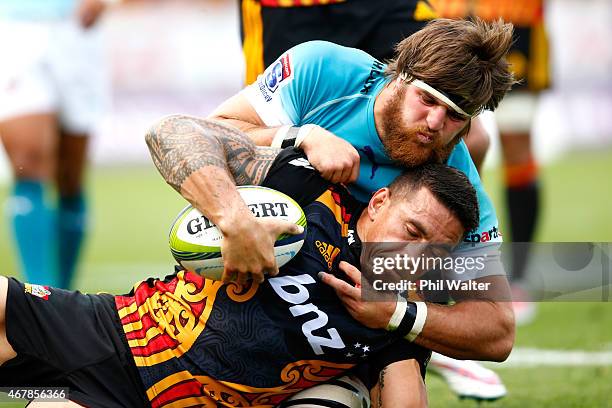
381	385
181	145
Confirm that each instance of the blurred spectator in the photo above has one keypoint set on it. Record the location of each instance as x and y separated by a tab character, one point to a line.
270	27
52	91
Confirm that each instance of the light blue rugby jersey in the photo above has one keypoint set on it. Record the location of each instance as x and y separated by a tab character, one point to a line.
335	87
36	10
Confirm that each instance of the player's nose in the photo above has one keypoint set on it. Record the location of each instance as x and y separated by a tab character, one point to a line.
436	116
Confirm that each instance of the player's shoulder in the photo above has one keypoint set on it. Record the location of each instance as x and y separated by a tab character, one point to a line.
292	174
340	206
459	155
327	48
330	55
461	160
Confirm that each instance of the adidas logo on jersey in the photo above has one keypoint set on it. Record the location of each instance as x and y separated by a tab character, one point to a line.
328	251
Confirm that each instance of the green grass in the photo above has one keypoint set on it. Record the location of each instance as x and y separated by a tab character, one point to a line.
565	387
576	206
132	209
569	325
576	198
131	212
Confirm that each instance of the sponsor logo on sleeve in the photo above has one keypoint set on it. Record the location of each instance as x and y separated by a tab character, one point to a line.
276	73
42	292
484	236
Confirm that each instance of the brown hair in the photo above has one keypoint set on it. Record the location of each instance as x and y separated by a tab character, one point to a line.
466	59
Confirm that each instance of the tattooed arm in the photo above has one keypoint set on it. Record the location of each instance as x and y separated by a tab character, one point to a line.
399	385
204	160
238	112
332	156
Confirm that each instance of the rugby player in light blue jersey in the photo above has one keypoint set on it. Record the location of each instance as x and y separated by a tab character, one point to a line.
320	95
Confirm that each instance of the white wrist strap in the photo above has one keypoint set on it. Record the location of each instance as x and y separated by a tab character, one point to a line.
419	323
280	136
303	133
398	314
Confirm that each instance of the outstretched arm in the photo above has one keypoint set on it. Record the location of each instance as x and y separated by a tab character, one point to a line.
204	160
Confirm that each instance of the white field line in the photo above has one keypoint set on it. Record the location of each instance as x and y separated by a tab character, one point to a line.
526	357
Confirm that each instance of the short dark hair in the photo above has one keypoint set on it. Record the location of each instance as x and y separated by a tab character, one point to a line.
449	186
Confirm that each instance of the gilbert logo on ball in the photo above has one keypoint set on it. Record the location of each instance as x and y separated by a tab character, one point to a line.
195	242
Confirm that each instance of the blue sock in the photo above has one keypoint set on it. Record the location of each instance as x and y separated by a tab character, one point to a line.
72	223
33	224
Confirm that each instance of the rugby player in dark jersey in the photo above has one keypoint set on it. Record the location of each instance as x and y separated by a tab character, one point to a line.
186	340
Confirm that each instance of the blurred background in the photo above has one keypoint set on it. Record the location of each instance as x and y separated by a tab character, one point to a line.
185	57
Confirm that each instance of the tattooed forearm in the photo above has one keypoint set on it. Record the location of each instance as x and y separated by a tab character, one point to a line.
181	145
381	384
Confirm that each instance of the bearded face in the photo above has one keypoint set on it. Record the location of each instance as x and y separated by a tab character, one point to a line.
413	145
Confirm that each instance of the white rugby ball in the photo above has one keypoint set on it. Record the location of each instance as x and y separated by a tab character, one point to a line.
195	242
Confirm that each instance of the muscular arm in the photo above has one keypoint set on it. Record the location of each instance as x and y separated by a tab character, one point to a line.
333	157
204	160
238	112
477	327
473	328
399	385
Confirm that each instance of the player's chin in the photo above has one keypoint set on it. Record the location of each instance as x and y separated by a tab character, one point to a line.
414	154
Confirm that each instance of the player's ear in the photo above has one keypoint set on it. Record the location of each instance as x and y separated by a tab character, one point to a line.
379	200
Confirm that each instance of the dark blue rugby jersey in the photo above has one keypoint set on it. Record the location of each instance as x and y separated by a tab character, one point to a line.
198	341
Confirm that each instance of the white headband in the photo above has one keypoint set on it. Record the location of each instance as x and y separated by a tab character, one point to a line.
428	88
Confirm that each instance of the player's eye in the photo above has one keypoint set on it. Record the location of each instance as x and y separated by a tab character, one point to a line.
428	99
456	117
412	232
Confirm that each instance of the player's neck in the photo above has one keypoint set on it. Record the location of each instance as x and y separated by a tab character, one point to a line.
379	107
362	226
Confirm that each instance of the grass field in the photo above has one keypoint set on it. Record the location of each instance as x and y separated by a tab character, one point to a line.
132	209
